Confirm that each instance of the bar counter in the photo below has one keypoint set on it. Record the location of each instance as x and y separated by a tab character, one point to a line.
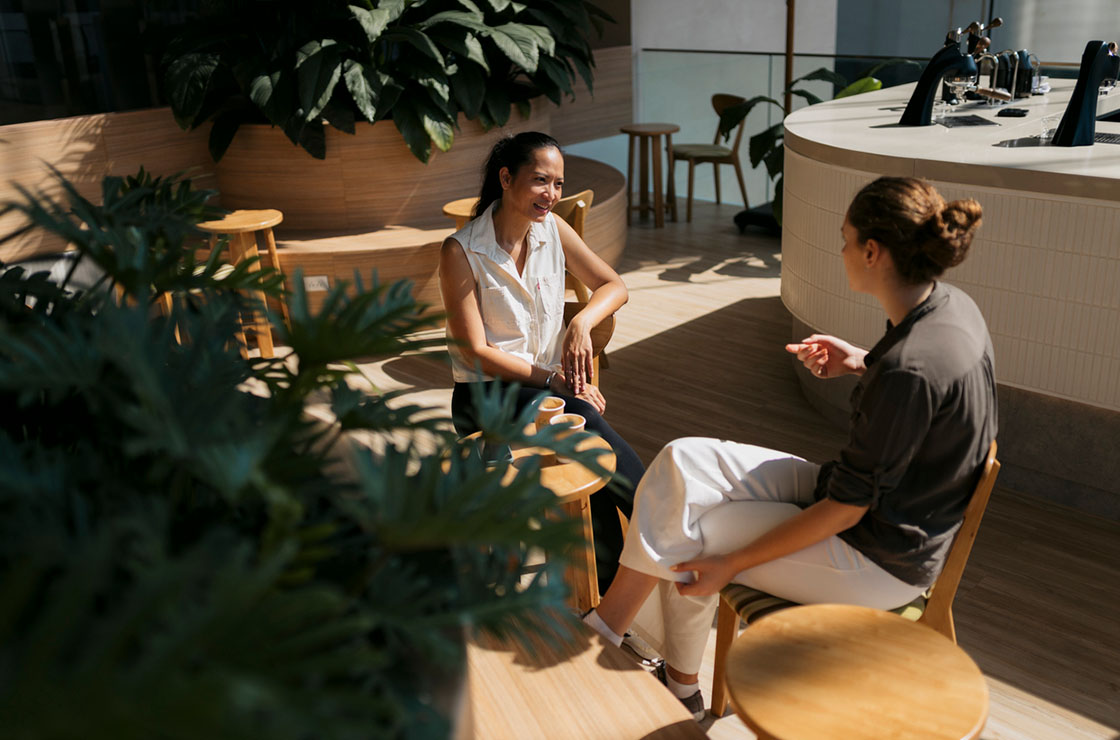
1044	268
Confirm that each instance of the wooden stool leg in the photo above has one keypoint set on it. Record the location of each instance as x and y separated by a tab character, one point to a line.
715	172
643	176
582	575
658	203
691	171
672	176
261	328
630	178
234	258
274	259
727	628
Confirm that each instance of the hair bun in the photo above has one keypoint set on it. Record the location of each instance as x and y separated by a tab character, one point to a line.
951	229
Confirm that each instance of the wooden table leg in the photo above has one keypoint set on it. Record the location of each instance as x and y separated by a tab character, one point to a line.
630	178
643	176
658	203
672	177
582	576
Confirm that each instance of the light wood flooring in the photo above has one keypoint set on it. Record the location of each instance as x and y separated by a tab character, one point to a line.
698	351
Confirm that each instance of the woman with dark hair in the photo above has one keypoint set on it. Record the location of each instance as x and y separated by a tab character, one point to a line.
872	527
502	280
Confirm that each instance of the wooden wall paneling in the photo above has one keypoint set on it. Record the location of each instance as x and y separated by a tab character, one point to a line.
84	149
596	116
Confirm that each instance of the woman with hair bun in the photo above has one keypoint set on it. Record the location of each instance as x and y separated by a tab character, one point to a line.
502	280
874	526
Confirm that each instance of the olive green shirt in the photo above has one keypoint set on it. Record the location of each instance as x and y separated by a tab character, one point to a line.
923	415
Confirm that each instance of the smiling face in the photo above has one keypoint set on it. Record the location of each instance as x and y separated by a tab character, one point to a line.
536	186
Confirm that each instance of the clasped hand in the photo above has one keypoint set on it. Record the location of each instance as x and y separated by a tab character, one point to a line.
828	357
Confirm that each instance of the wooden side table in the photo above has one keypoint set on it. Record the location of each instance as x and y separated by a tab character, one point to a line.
573	485
244	229
644	133
841	672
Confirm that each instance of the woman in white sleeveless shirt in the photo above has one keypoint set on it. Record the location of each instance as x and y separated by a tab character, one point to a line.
502	280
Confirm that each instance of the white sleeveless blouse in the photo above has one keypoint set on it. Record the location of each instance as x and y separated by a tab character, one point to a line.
523	315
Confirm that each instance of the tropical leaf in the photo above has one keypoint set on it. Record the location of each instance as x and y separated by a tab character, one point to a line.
319	69
862	85
187	80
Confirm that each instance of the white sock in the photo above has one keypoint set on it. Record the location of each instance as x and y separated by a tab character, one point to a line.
595	622
682	690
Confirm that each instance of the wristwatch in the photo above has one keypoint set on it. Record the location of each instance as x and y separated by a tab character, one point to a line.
548	380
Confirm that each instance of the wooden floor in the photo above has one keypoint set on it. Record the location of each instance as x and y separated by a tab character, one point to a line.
698	351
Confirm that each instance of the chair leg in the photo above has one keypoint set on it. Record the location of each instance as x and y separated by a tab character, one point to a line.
691	170
742	186
715	171
727	627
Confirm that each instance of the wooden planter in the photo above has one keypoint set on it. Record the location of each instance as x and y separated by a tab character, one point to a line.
368	181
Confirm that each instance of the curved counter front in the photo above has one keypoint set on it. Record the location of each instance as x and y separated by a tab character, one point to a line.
1044	269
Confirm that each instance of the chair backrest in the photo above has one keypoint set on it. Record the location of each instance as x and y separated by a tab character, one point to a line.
721	101
574	208
939	609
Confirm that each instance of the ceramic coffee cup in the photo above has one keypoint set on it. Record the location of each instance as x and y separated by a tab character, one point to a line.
573	423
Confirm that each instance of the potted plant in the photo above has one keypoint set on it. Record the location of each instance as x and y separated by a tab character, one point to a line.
185	551
768	146
300	65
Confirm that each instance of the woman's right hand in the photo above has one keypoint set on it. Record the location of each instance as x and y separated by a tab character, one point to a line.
590	393
828	357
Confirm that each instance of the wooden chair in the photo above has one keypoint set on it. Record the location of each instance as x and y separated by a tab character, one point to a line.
573	209
934	609
714	153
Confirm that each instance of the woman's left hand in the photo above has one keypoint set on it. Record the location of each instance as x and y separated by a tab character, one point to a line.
577	356
712	574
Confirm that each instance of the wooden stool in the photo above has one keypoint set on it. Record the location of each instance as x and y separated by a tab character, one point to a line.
460	210
643	132
245	229
841	672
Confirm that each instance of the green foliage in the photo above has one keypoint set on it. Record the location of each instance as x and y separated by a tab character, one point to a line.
767	147
186	552
301	65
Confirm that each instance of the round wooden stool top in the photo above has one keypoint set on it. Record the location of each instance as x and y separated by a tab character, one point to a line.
460	210
839	672
649	129
239	222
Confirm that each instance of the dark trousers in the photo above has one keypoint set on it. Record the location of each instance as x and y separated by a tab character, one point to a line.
605	504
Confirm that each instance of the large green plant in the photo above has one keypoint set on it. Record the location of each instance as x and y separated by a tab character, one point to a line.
185	552
300	64
768	146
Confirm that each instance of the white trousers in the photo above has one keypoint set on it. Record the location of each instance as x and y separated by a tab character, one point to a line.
710	497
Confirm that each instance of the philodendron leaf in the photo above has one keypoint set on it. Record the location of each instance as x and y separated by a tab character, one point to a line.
419	41
808	96
762	143
468	85
862	85
339	116
775	161
499	5
463	43
822	73
364	86
409	123
373	22
188	78
471	21
518	44
319	69
273	94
